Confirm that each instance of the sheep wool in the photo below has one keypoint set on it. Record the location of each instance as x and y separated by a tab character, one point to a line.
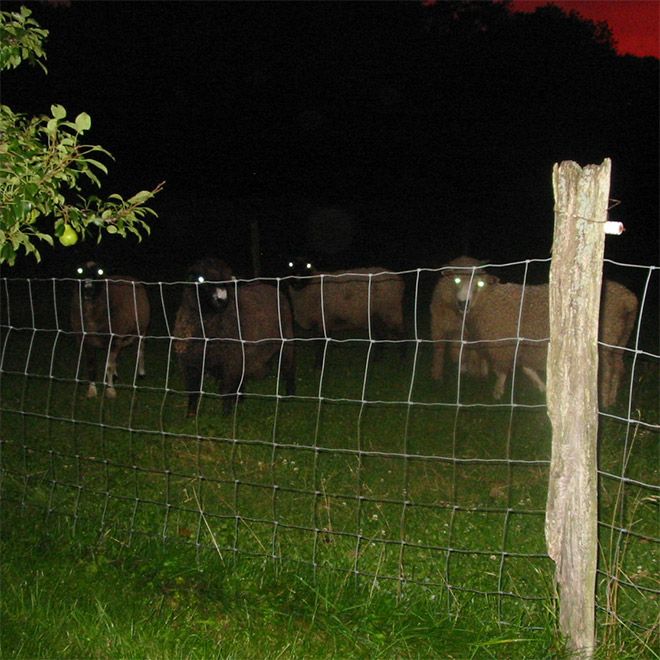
447	324
231	331
108	314
511	334
356	299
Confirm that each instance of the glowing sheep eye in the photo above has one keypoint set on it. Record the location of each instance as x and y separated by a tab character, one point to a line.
79	270
308	266
290	264
200	279
457	280
99	272
481	284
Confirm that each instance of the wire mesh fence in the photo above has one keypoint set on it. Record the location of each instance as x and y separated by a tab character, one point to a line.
372	467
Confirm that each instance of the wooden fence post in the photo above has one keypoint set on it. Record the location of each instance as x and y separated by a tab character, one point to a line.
571	523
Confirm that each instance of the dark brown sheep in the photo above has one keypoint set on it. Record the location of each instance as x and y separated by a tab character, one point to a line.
209	340
108	314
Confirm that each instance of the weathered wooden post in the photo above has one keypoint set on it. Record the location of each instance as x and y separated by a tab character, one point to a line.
571	525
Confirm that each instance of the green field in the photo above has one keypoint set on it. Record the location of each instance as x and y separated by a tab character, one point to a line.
375	514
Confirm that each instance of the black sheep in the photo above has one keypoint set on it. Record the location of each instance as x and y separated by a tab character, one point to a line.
209	340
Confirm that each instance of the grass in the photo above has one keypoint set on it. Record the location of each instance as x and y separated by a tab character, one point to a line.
102	599
369	516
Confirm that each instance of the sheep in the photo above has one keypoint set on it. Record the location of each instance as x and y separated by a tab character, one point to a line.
207	337
356	299
108	313
447	322
494	314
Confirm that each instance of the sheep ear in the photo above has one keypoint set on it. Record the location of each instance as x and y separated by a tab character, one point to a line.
491	279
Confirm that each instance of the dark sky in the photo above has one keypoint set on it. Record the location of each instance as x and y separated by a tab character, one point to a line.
389	133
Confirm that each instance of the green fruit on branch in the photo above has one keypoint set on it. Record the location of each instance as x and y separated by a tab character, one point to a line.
69	236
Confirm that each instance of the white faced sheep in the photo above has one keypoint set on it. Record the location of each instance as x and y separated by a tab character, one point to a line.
210	341
447	324
495	315
108	314
356	299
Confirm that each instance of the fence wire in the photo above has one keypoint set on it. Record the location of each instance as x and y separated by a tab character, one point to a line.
371	468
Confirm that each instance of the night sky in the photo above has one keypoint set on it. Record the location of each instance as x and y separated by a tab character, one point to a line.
635	24
397	134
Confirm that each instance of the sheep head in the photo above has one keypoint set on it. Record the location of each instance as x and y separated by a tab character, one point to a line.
213	279
299	268
469	279
91	275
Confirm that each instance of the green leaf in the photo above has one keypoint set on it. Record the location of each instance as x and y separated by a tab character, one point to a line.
51	127
83	122
57	111
140	198
97	164
92	177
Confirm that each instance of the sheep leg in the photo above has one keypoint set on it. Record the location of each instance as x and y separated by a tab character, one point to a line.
230	395
289	367
379	333
192	376
438	367
474	363
604	377
467	359
499	385
400	335
140	357
322	347
90	353
617	370
229	401
111	373
611	369
535	378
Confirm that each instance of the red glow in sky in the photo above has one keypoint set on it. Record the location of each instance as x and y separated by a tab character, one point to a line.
635	24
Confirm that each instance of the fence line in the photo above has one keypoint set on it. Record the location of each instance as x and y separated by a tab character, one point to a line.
370	468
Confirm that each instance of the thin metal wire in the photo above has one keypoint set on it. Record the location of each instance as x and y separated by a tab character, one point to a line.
83	476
